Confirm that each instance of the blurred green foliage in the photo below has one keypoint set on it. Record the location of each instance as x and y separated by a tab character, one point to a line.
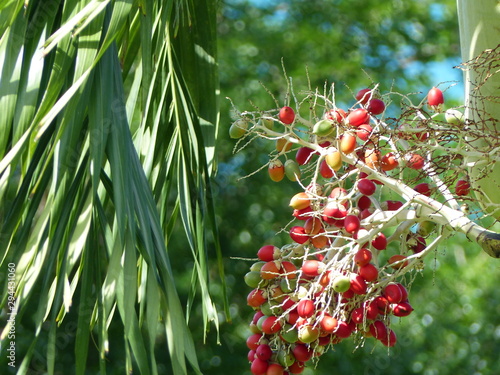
455	327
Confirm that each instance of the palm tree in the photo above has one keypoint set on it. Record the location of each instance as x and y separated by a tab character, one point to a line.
107	135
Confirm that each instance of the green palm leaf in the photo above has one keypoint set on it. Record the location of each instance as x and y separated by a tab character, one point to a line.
107	138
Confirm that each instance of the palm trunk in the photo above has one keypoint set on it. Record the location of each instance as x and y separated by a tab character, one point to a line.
479	22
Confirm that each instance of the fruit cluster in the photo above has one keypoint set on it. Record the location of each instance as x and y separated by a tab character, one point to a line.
338	277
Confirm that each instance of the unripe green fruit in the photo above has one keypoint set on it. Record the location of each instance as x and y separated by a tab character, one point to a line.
257	266
341	284
425	228
290	334
288	285
238	129
252	279
454	117
285	359
292	170
308	334
323	128
268	123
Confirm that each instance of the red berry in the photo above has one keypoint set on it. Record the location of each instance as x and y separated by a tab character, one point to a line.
375	106
325	170
363	257
333	213
379	242
358	284
312	267
401	309
366	186
388	162
328	324
358	117
423	188
343	330
268	253
348	143
286	115
415	243
368	272
363	95
351	223
435	97
393	205
298	234
275	369
462	188
364	202
253	341
304	155
305	308
336	115
364	131
378	330
264	352
259	367
271	325
415	161
256	298
302	353
393	293
390	339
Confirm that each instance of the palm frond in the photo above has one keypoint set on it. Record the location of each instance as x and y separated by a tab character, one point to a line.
108	135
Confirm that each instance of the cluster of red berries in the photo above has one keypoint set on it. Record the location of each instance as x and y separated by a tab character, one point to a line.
337	278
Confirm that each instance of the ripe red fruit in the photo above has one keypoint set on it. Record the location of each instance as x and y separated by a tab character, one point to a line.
286	115
388	162
358	117
357	315
401	309
378	330
379	242
382	304
358	284
296	368
351	223
275	369
415	161
415	243
254	341
302	353
264	352
371	310
397	258
325	171
343	330
363	257
368	272
333	213
304	155
276	170
348	143
462	188
271	325
394	293
302	214
259	367
423	188
251	355
305	308
435	97
375	106
269	270
390	339
312	267
364	131
256	298
393	205
313	226
328	324
366	186
363	95
298	234
336	115
364	202
268	253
